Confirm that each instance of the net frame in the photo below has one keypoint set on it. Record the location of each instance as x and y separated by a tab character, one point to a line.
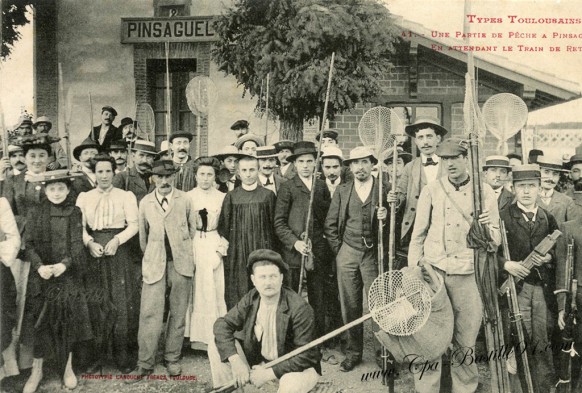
379	128
201	94
504	114
146	121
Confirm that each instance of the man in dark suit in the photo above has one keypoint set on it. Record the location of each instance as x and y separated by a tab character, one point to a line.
137	178
496	170
106	132
268	158
286	169
83	154
290	216
229	157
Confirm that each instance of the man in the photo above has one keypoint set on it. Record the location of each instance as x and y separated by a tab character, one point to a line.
427	134
12	164
106	132
403	159
290	215
574	165
329	138
248	143
514	160
167	225
241	127
272	321
24	125
267	156
439	238
496	171
229	157
118	150
137	178
351	228
560	206
185	178
83	154
128	131
331	168
165	153
285	149
526	225
246	221
59	158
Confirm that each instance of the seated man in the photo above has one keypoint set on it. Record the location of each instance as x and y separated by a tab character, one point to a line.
269	318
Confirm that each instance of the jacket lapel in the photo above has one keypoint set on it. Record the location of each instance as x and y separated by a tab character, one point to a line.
136	179
282	323
518	217
539	223
299	184
171	202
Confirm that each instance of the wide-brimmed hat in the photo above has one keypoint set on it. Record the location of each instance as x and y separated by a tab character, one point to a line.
228	151
265	255
425	122
109	109
546	162
145	146
180	134
329	133
526	172
452	147
248	137
360	152
406	157
119	144
127	121
42	119
332	152
239	125
266	152
88	143
59	175
163	168
164	148
302	147
284	144
496	162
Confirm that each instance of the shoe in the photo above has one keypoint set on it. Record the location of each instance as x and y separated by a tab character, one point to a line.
138	374
35	377
349	363
125	369
174	369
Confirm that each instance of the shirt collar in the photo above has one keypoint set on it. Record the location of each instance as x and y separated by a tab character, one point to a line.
533	209
102	191
264	178
547	194
434	157
307	181
366	183
252	187
337	182
160	197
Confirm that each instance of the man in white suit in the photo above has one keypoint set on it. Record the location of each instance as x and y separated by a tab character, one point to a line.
166	227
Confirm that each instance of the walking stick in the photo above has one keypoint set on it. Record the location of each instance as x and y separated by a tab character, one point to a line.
91	117
305	236
168	94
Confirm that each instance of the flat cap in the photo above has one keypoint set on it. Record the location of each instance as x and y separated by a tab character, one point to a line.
284	144
109	109
240	125
329	133
181	134
452	147
265	255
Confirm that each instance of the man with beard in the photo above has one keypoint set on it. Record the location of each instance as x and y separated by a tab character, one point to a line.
496	171
331	168
286	169
229	157
83	154
427	134
575	167
59	159
267	156
137	178
560	206
185	178
106	132
118	150
246	221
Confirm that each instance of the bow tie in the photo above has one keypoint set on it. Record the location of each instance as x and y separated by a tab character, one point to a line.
430	161
529	215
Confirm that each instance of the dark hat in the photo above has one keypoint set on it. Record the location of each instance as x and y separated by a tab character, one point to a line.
406	157
35	141
329	133
264	255
284	144
240	125
86	144
550	163
533	155
248	137
126	121
496	162
425	122
109	109
163	168
514	156
145	146
267	152
575	159
180	134
117	145
228	151
452	147
42	119
526	172
302	147
59	175
359	153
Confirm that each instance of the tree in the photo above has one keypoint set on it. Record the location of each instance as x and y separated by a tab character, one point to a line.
13	16
292	41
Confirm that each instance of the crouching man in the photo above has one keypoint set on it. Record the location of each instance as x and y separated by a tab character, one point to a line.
269	321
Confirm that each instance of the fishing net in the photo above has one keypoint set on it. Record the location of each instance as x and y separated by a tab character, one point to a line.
201	94
505	115
146	122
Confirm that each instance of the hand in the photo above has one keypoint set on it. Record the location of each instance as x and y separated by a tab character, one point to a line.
45	272
261	375
4	166
516	269
240	371
53	165
392	197
111	247
382	213
95	249
561	319
58	269
484	218
302	247
539	260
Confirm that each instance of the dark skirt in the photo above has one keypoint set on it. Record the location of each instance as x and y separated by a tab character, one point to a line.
8	304
113	283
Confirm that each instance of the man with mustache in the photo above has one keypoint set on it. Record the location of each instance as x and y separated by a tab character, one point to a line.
59	159
439	238
267	156
185	178
83	154
331	168
561	206
496	171
285	149
106	132
12	164
574	165
427	134
118	150
128	131
137	178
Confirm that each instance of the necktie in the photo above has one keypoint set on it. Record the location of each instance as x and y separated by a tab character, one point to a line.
332	181
164	203
268	182
530	217
429	162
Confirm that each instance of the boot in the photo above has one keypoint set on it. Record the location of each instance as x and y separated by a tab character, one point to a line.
35	377
69	378
10	363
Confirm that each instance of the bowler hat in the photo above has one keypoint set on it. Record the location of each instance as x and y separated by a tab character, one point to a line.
575	159
126	121
496	162
406	157
248	137
181	134
109	109
359	153
266	152
284	144
533	155
163	168
265	255
240	125
117	145
145	146
526	172
332	152
452	147
42	119
550	163
329	133
88	143
302	147
425	122
228	151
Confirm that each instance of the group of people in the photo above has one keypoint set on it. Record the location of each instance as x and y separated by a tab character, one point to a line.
93	253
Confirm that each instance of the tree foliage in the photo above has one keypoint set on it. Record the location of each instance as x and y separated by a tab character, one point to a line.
13	16
292	40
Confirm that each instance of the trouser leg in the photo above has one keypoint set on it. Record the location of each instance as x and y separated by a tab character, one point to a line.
150	321
180	291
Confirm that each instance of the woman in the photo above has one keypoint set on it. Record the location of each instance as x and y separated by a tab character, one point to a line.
110	219
54	247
